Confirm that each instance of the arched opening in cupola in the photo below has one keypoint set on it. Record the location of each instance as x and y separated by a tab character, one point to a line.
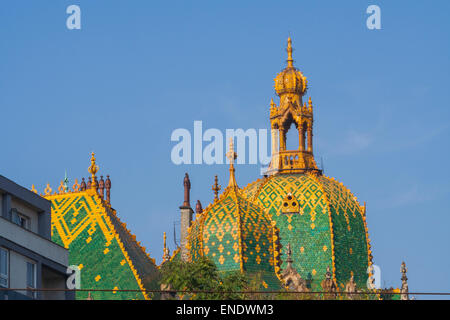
292	138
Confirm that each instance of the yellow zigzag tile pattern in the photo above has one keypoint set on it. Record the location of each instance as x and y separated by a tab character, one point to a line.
97	240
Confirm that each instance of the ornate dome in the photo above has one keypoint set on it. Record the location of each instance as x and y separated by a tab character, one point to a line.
328	229
316	216
290	80
237	235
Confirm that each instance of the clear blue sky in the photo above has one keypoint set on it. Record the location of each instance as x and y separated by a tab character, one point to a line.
137	70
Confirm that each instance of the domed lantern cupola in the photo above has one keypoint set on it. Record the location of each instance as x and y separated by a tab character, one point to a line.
291	86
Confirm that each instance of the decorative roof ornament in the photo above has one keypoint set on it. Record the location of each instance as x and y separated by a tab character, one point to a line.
290	204
187	188
328	274
272	104
93	169
289	255
290	60
290	80
33	189
61	188
66	182
232	155
350	287
76	186
83	185
198	207
166	252
328	284
404	289
101	188
216	188
48	190
108	189
291	86
290	276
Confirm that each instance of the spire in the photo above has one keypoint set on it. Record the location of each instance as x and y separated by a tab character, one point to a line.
108	189
404	290
272	104
198	207
93	169
187	188
101	187
165	240
290	61
231	155
166	253
350	287
289	255
185	219
216	188
66	182
83	185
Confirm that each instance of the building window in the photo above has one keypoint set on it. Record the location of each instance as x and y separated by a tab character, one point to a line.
31	279
4	268
20	219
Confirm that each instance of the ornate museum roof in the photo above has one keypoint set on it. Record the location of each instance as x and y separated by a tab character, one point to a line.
317	217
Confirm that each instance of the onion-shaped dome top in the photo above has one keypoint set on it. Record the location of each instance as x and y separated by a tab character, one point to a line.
237	235
328	229
290	80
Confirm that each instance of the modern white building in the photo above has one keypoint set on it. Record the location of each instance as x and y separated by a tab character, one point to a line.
28	257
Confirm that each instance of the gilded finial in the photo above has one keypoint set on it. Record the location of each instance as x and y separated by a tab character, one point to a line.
166	253
216	188
93	169
165	241
61	188
272	104
76	186
47	190
33	189
231	155
310	103
290	61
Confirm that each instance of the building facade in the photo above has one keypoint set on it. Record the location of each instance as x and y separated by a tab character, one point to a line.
29	259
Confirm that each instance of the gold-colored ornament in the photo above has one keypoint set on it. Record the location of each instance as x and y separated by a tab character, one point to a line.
61	188
47	190
93	169
76	186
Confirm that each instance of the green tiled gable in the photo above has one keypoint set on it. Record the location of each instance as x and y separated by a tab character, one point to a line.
101	246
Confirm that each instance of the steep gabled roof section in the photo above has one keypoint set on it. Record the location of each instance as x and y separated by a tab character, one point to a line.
101	246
